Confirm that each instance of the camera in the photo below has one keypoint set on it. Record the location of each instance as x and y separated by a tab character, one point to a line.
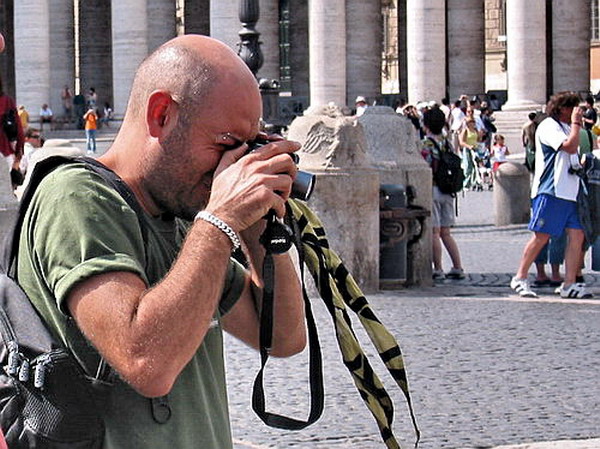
576	171
304	183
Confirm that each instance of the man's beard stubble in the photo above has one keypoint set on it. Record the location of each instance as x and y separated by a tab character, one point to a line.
166	178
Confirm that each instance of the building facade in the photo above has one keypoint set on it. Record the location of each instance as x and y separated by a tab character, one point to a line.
321	51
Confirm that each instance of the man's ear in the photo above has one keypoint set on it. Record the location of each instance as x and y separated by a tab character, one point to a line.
161	114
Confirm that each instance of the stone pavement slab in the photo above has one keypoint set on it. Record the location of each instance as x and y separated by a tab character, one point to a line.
563	444
485	370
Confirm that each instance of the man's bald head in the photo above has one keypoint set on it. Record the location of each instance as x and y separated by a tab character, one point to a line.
189	68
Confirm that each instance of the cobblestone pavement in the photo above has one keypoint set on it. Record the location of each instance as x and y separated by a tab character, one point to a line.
486	368
484	371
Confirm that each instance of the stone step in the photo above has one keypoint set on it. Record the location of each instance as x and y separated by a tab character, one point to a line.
509	124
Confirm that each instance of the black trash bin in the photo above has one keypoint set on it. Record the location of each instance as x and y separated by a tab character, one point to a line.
393	236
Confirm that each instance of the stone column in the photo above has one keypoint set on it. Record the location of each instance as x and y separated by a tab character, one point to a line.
299	50
426	49
62	51
225	21
197	20
32	54
466	47
526	54
95	50
364	41
571	25
268	27
402	49
130	47
161	22
327	47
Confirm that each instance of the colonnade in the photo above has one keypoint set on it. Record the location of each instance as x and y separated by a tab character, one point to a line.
446	54
45	59
335	46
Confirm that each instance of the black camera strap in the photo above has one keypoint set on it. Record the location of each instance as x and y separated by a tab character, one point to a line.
277	239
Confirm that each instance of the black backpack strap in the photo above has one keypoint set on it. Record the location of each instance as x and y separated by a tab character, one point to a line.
160	409
41	170
434	142
11	240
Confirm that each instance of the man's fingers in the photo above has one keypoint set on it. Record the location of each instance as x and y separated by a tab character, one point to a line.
272	149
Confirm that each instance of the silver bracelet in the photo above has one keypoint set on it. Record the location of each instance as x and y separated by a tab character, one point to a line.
215	221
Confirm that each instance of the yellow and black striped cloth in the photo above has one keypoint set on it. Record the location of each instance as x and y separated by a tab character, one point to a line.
340	291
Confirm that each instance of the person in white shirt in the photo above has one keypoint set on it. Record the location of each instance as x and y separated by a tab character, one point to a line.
554	194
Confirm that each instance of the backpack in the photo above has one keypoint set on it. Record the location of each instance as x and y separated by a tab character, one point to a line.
9	124
588	198
449	176
47	400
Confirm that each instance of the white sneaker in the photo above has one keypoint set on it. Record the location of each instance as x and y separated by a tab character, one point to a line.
438	275
575	291
455	273
521	286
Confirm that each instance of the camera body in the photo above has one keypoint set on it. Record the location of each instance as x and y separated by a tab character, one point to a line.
579	171
304	183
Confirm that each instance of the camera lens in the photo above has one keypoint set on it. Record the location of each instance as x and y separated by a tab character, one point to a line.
303	185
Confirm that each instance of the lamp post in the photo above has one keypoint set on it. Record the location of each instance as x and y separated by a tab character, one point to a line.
251	54
249	50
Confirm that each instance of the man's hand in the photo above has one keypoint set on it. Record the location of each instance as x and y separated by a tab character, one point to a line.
246	187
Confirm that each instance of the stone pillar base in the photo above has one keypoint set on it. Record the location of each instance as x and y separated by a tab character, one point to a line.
346	195
394	150
524	105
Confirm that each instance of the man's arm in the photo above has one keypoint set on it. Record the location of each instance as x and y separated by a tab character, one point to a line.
149	335
289	333
571	144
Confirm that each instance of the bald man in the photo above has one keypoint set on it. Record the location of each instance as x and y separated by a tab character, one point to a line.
151	309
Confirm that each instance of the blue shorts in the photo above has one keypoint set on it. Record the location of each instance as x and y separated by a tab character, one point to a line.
552	215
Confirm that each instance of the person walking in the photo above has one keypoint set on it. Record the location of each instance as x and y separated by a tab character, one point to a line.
91	125
469	143
554	195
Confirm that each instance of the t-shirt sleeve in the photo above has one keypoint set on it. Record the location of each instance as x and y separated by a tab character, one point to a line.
552	134
80	227
235	279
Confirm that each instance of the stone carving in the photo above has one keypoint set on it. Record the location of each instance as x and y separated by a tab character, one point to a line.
329	142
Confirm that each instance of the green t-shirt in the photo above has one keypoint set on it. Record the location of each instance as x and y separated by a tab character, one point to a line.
586	142
76	227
